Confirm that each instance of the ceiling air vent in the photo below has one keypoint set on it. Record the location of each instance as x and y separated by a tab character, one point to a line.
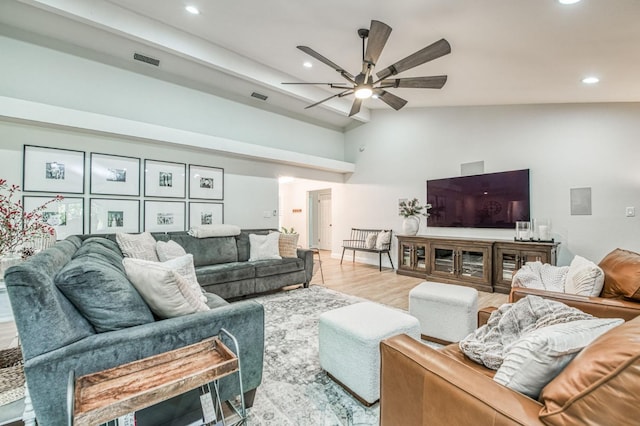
147	59
259	96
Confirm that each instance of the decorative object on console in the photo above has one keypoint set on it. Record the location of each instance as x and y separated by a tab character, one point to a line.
114	175
411	210
523	230
53	170
206	182
164	179
541	230
19	227
110	216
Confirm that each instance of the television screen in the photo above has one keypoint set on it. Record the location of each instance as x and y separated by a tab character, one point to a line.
492	200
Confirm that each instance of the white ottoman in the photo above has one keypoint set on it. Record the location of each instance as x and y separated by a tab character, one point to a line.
349	341
446	312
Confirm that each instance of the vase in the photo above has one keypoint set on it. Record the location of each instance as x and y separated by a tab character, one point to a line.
410	225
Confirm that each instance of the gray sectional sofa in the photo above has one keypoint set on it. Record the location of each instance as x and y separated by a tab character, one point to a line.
74	310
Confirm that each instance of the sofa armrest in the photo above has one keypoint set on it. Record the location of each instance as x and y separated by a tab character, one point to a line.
307	257
597	306
245	320
484	314
419	386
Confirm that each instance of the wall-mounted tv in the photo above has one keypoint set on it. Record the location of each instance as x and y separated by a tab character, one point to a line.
491	200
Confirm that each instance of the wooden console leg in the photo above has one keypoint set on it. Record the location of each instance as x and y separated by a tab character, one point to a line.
249	397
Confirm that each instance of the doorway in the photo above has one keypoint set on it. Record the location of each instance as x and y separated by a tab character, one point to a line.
320	219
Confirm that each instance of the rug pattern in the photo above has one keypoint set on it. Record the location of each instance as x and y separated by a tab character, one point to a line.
295	390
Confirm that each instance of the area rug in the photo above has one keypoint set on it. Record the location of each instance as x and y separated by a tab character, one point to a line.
295	390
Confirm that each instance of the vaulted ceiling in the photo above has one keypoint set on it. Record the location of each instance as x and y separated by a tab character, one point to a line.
503	51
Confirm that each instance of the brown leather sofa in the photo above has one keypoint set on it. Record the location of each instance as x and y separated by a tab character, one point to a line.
601	386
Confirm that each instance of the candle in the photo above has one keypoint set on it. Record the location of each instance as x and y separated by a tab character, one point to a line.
544	232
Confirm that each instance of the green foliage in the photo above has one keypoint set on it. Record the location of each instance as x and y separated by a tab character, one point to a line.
288	231
413	208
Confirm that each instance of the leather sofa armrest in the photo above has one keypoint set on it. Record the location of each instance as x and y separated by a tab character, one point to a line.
419	386
484	314
597	306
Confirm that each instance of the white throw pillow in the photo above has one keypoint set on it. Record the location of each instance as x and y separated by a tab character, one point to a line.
540	355
138	246
584	278
384	237
168	250
263	247
168	293
370	242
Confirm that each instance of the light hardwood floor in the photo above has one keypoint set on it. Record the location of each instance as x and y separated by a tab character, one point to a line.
386	287
356	279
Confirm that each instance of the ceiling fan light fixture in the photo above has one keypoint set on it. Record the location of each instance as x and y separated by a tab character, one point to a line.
590	80
192	9
363	92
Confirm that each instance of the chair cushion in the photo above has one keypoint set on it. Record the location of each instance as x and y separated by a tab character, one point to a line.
601	384
584	278
383	238
621	274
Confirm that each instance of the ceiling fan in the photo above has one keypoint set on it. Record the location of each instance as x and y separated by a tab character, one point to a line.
364	86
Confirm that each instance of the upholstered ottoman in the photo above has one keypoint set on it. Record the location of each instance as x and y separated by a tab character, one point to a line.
447	312
350	344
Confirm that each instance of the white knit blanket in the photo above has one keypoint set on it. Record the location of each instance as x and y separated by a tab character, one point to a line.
490	342
207	231
542	276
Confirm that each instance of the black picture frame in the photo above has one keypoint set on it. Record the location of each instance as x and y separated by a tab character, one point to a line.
206	183
164	216
111	215
114	175
165	179
204	213
52	170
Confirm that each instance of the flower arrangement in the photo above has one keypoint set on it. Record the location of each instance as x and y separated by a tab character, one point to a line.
413	208
18	227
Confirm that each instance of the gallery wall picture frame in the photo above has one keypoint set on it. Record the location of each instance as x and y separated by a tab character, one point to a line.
114	175
111	215
164	216
52	170
165	179
65	216
206	183
201	213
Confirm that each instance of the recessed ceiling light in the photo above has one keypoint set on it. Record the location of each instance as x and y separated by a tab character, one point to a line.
192	9
568	1
307	64
590	80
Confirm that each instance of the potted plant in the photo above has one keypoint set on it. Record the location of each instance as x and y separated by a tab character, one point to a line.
18	228
411	210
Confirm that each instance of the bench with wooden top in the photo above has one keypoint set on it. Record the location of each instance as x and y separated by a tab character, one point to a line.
366	240
99	397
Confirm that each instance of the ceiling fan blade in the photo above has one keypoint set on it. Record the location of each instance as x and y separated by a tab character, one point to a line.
390	99
429	53
355	107
332	85
309	51
337	95
378	35
433	82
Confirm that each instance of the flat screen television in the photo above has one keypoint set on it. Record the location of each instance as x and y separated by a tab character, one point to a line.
491	200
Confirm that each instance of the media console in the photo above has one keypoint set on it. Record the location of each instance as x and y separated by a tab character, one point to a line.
484	264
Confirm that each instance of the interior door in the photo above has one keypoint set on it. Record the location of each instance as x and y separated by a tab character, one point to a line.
324	220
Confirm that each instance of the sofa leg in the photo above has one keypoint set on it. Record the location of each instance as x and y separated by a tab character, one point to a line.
249	397
306	284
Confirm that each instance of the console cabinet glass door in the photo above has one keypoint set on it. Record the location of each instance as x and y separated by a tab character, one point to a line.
406	255
413	256
443	260
509	260
461	262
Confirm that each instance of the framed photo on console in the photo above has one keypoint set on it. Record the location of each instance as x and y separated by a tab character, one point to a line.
205	213
164	179
115	175
109	215
52	170
206	183
164	216
65	216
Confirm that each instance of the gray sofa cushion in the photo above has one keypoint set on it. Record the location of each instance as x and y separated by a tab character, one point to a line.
215	301
102	293
266	268
101	249
208	251
224	273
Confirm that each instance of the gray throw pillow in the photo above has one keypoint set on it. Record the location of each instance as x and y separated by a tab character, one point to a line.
103	294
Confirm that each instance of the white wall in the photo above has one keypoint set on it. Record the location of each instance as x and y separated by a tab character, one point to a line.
564	146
